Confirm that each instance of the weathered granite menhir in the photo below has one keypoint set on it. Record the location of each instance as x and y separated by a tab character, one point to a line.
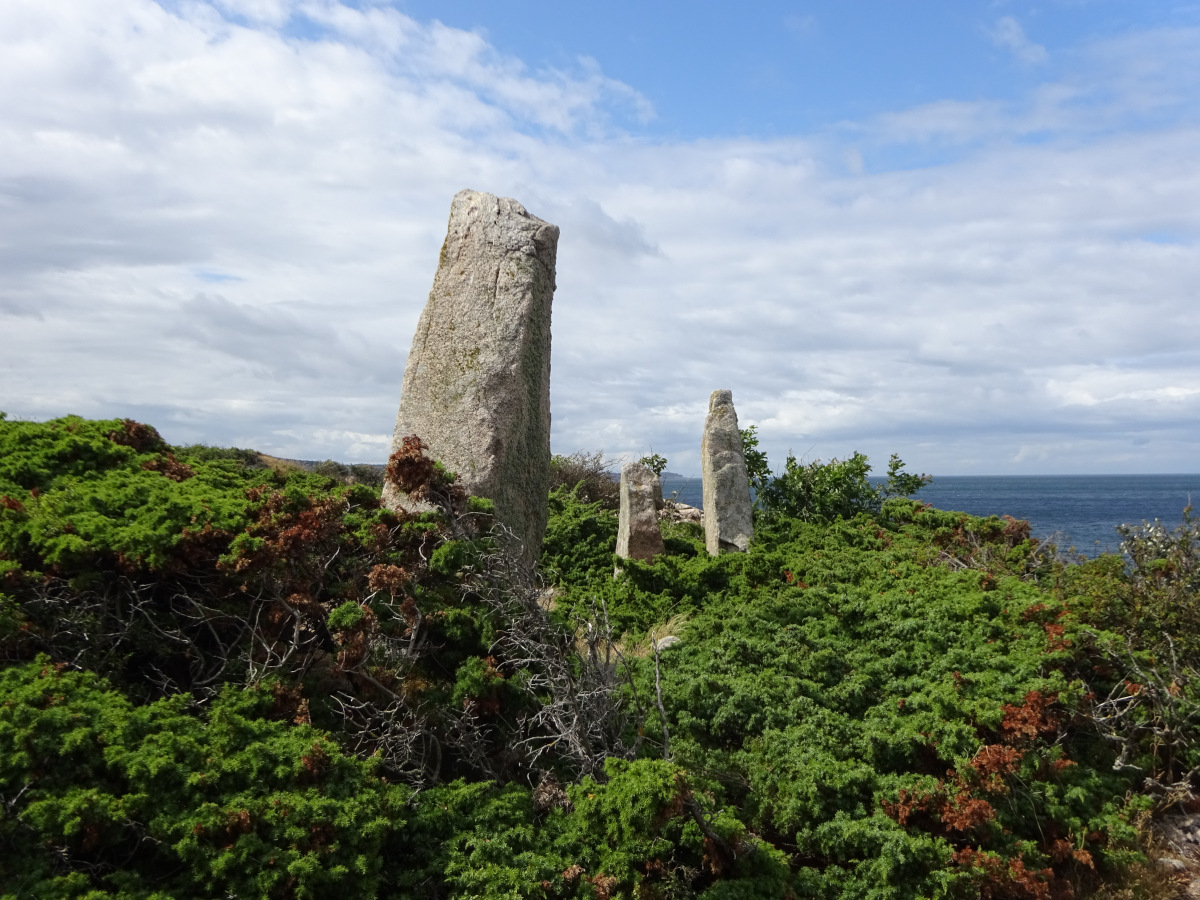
728	511
638	533
476	385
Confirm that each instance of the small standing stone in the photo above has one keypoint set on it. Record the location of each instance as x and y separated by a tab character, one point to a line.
638	534
477	382
728	511
659	503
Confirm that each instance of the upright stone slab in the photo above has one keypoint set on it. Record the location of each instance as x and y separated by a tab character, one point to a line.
728	512
638	533
476	386
659	503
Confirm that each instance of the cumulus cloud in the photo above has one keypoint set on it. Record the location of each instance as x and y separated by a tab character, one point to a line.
225	218
1008	34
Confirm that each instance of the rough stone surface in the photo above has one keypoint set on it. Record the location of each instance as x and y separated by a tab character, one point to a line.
1176	850
638	533
728	513
476	386
674	511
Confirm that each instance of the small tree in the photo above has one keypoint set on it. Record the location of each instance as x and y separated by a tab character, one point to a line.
655	463
757	466
901	483
819	491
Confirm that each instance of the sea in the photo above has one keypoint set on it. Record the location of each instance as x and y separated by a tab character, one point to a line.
1075	511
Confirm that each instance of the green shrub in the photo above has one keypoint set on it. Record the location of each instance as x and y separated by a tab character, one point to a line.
822	492
157	800
819	492
757	466
655	462
878	699
892	697
82	495
581	538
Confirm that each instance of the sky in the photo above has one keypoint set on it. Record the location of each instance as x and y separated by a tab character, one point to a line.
963	231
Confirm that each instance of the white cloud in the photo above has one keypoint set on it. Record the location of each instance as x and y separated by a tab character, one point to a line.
230	231
1008	34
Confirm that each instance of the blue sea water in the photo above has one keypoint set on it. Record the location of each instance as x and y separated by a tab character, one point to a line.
1080	511
683	488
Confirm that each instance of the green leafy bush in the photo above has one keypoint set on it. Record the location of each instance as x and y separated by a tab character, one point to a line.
757	466
110	799
819	492
1145	612
823	492
581	538
77	496
257	682
655	462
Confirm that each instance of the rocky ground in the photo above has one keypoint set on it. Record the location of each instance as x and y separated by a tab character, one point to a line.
1178	856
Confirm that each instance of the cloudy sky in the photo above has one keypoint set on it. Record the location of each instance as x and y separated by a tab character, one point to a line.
965	231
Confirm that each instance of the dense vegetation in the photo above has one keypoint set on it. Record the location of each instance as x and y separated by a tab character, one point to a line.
225	678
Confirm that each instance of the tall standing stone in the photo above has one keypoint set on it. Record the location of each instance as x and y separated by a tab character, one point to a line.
728	512
638	533
476	386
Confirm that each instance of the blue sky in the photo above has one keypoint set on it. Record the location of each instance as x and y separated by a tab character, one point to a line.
717	69
965	232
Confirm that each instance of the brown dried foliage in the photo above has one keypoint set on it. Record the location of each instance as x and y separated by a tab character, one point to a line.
139	437
985	545
604	885
1015	531
410	469
380	538
791	578
291	537
958	806
315	761
1049	618
941	811
289	704
389	578
238	823
199	548
1011	880
168	466
355	647
1061	850
320	836
317	524
993	764
1031	720
416	475
356	641
549	795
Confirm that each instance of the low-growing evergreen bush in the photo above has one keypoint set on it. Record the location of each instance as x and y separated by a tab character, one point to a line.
162	800
224	678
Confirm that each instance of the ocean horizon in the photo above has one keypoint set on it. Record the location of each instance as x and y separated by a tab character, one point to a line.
1075	511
